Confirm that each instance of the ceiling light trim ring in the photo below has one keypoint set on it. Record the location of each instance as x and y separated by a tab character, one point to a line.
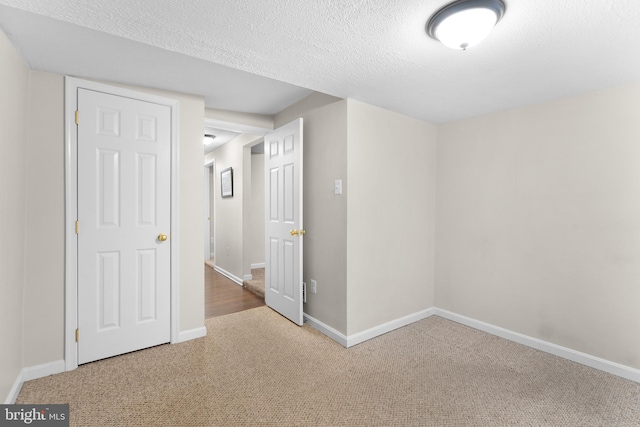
497	6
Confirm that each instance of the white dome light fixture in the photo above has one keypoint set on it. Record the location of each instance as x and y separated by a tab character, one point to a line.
465	23
208	139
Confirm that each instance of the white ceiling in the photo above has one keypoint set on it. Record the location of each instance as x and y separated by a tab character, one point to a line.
221	137
256	56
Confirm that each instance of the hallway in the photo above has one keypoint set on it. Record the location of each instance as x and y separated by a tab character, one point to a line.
223	296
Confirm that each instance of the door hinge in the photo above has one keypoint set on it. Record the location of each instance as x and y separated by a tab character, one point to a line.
77	334
77	227
77	114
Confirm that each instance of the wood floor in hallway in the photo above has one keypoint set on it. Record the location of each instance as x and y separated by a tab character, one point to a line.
223	296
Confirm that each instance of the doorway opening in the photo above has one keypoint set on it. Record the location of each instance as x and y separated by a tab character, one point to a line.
234	225
282	218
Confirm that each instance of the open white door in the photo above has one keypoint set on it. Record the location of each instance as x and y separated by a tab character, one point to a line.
124	219
284	228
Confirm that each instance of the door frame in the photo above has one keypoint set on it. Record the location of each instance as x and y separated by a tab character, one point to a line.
72	85
258	131
210	166
208	213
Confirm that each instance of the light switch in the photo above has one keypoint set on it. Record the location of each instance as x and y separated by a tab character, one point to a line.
337	187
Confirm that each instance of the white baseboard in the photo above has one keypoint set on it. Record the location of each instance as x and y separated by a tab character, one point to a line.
15	391
388	327
327	330
564	352
376	331
44	370
258	265
191	334
229	275
33	373
604	365
247	277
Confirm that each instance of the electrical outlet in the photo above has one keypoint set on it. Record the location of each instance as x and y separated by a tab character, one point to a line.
304	292
314	286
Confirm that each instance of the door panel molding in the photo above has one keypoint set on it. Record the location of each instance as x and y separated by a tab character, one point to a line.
71	203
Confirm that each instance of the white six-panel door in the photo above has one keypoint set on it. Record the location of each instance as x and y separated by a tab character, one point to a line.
123	216
284	228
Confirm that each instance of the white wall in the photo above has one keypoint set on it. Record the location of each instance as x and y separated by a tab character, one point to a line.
390	216
228	215
325	215
191	206
44	275
307	104
538	219
371	249
14	87
244	119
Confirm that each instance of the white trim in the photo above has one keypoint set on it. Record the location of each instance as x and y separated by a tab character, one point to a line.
15	390
564	352
228	275
71	207
175	219
327	330
258	265
351	340
388	327
44	370
33	373
610	367
235	126
247	277
206	222
191	334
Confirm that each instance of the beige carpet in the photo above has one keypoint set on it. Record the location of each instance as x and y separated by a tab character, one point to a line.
256	368
256	284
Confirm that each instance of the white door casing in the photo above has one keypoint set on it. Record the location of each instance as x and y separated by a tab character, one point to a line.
283	226
207	215
124	208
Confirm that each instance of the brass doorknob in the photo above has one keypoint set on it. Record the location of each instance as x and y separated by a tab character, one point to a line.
293	232
162	237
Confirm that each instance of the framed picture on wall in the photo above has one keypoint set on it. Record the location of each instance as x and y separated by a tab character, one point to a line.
226	179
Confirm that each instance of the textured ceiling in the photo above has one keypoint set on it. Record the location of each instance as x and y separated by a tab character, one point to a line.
375	51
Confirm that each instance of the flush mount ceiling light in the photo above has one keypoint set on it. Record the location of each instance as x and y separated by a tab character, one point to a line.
208	139
464	23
